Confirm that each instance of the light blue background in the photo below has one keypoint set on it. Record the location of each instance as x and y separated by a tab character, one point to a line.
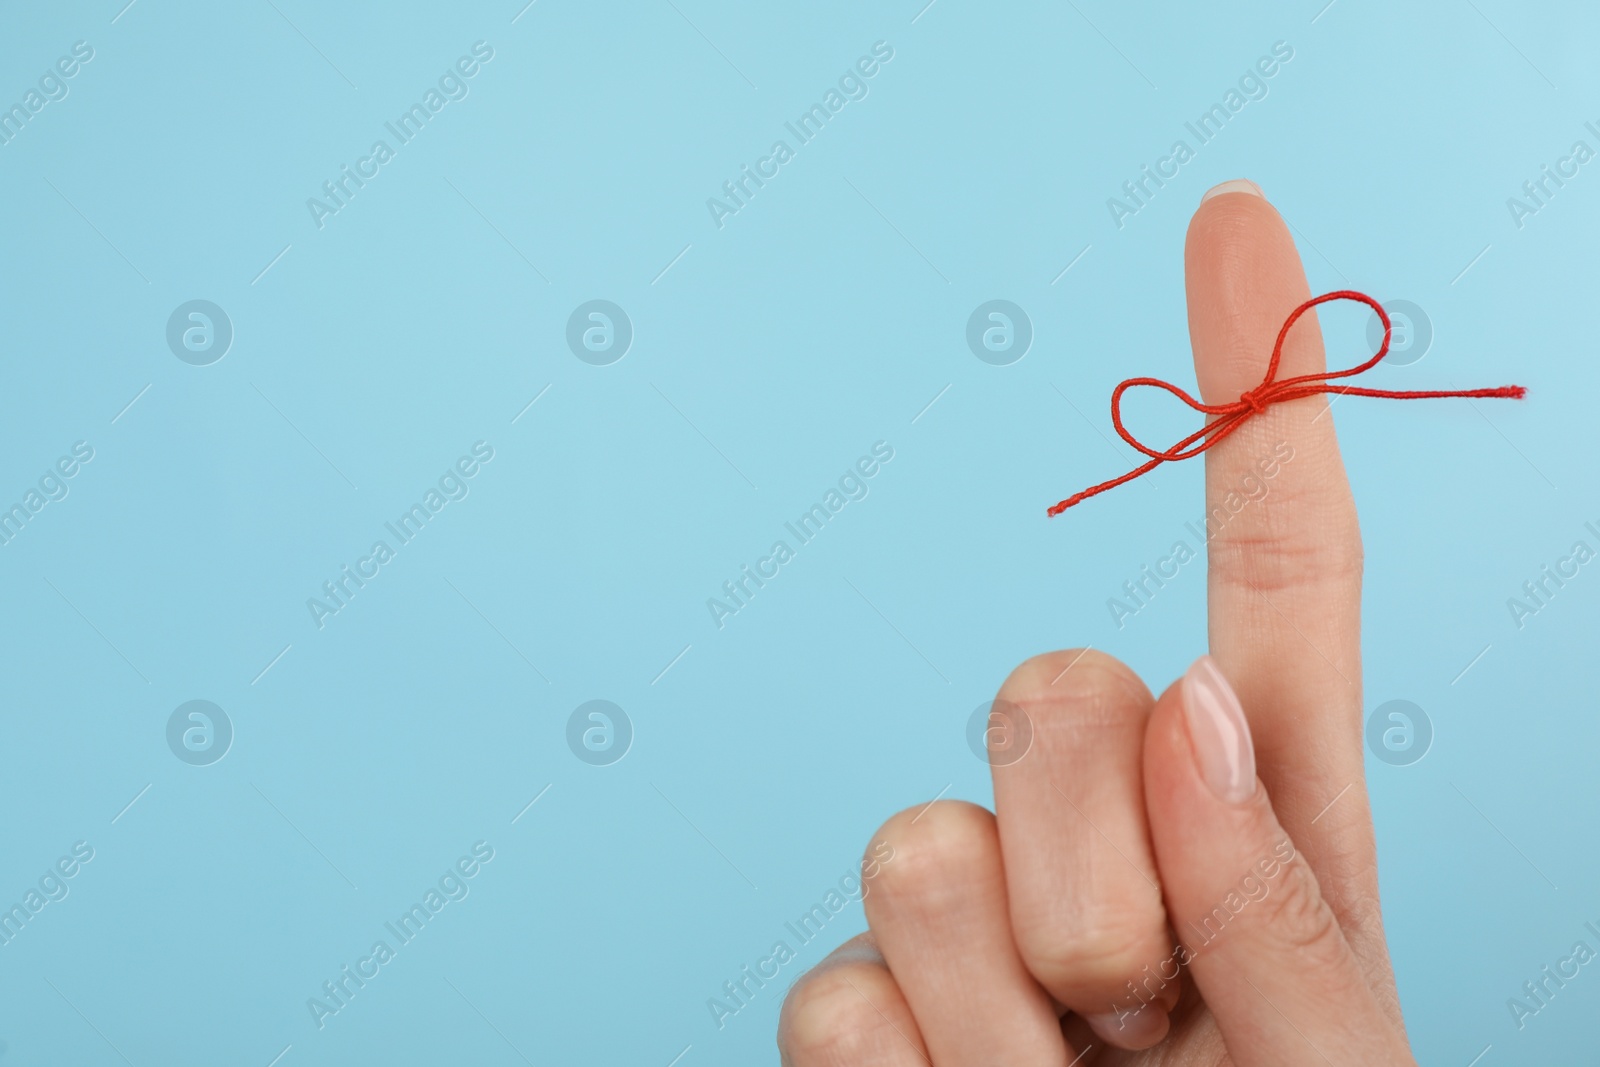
824	317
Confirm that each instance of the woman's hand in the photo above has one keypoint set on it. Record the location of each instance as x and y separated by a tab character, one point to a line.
1193	876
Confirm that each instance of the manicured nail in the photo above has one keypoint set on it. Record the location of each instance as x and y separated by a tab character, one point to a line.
1136	1028
1236	185
1218	733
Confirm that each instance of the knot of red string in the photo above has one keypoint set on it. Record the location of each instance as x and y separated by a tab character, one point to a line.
1256	399
1226	418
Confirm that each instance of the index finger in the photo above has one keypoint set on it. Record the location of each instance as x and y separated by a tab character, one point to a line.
1284	548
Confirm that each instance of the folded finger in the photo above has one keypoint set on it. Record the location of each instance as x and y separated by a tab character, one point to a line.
1084	895
938	911
848	1012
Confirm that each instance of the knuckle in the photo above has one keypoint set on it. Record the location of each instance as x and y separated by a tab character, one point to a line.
838	1014
1275	554
926	850
1088	685
1301	922
1094	961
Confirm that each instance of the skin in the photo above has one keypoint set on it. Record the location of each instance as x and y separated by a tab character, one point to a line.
1013	936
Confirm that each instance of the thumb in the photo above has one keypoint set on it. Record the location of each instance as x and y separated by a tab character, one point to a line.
1264	948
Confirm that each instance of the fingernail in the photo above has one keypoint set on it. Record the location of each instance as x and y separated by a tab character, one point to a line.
1236	185
1218	733
1137	1028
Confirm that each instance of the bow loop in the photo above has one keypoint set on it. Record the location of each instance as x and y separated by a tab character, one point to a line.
1255	401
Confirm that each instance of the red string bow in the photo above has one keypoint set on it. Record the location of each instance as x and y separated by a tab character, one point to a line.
1255	401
